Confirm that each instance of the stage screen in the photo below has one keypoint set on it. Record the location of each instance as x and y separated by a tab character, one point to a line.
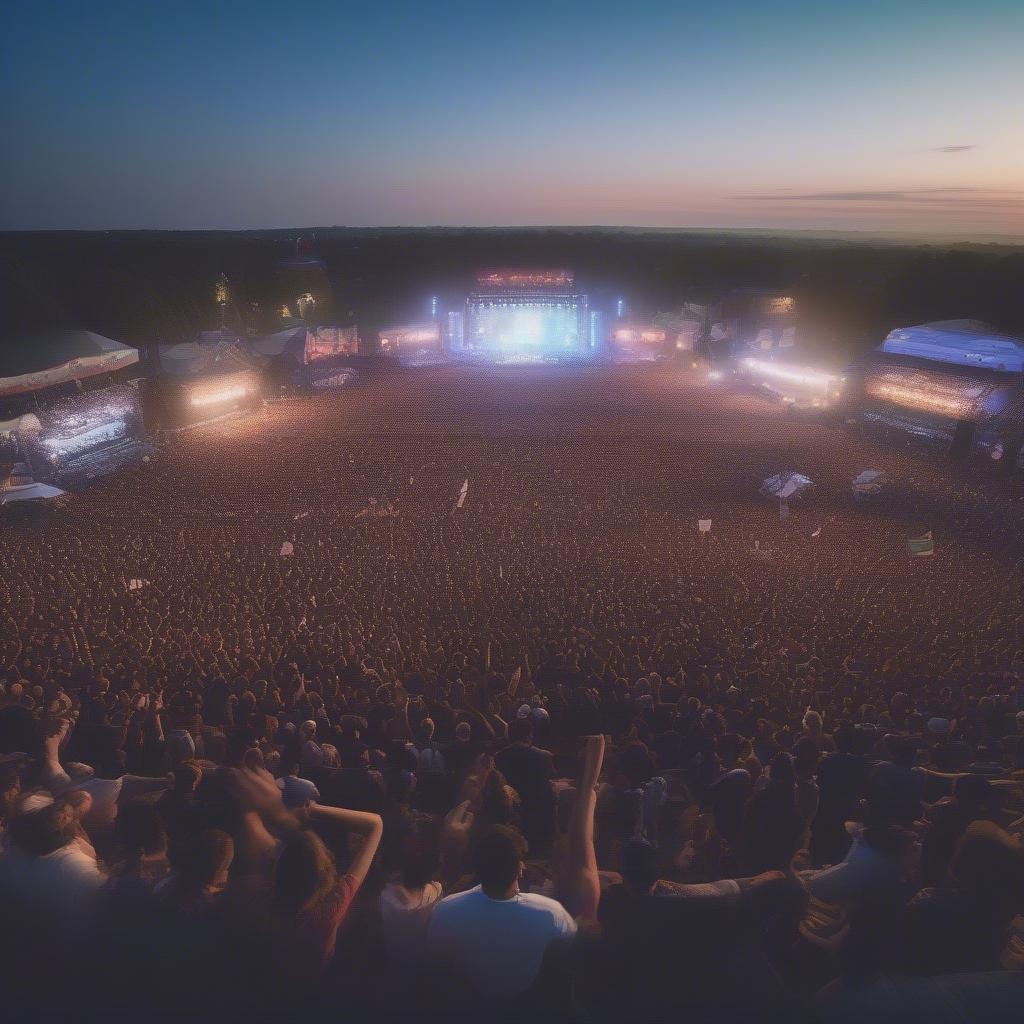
510	329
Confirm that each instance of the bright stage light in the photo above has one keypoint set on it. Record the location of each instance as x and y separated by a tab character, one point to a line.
227	394
792	374
923	398
72	444
539	327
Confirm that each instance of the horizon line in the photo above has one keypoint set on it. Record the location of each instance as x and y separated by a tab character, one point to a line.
1010	239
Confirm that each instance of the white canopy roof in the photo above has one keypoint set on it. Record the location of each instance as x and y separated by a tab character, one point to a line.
28	492
962	342
786	485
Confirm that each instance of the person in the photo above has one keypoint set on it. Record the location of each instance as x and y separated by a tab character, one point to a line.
897	787
772	824
947	821
529	770
962	924
408	901
494	938
841	778
670	948
45	870
198	875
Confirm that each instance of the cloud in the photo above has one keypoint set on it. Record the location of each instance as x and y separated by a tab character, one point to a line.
843	196
964	195
953	149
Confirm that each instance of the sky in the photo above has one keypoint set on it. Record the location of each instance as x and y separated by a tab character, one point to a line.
900	117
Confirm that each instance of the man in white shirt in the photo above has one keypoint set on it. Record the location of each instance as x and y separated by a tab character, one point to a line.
46	871
494	936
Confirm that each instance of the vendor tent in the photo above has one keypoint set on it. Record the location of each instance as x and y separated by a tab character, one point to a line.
787	485
20	486
59	357
869	483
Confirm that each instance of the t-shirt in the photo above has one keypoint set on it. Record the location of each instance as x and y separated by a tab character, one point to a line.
404	918
498	946
62	885
863	872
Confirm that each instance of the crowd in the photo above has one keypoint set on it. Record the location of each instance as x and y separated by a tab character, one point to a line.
547	754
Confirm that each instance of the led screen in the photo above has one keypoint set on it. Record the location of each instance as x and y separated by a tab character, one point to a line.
531	328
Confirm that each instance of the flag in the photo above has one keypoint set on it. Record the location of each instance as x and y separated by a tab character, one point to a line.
301	515
287	549
920	547
817	532
137	584
463	493
704	525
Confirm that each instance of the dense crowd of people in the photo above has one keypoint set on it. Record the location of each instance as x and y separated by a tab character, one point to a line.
284	732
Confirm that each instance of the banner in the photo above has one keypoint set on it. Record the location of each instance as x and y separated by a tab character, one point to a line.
920	547
462	494
287	549
704	525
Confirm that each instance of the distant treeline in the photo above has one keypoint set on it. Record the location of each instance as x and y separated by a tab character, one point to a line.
145	287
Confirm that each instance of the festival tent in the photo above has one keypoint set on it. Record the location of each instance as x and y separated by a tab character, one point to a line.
212	353
202	379
20	486
869	483
962	342
787	485
289	342
60	357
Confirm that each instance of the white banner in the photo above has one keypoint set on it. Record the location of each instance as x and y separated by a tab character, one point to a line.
704	525
462	494
287	549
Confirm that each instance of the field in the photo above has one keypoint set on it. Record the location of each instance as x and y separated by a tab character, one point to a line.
580	521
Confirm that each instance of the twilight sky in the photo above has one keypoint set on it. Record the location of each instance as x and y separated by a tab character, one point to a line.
903	116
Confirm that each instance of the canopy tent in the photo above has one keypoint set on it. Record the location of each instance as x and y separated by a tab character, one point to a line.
290	341
20	486
212	353
59	358
961	342
869	483
787	485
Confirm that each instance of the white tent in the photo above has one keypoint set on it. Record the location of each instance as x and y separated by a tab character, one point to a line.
787	485
869	483
19	486
46	360
963	342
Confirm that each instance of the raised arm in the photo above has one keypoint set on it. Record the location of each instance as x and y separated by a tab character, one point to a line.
583	885
369	826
